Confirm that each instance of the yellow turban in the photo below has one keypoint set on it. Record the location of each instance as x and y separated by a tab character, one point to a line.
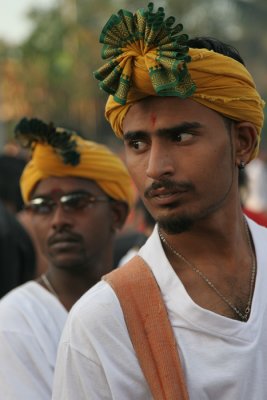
146	67
96	163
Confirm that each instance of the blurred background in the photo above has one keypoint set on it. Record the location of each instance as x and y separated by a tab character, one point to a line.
49	49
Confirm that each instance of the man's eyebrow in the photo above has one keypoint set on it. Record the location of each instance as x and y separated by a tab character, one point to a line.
41	195
181	128
135	135
165	132
62	193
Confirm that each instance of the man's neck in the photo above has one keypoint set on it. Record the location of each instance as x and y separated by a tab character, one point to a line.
223	254
70	286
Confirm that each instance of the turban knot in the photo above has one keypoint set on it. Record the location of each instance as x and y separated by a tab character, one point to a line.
61	153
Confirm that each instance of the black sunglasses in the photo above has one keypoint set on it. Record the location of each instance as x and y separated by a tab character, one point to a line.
69	202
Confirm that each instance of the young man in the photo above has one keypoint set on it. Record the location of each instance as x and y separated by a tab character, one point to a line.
190	119
78	194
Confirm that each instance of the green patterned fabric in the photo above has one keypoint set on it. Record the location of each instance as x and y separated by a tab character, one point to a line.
148	41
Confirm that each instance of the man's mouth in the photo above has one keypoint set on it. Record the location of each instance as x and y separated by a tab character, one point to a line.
166	193
163	192
165	197
63	242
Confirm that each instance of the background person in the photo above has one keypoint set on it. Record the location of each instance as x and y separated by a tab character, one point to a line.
258	216
17	253
256	198
78	194
11	168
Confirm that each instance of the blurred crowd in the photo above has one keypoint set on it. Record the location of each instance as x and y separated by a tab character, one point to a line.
254	189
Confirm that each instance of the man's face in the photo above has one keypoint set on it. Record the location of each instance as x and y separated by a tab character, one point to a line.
72	235
180	156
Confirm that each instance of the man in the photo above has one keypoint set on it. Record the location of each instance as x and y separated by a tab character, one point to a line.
190	119
78	194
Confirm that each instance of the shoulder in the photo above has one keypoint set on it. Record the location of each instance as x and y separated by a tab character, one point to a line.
19	297
29	307
97	303
31	323
96	317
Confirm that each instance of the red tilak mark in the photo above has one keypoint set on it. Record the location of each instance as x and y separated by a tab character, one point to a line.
153	119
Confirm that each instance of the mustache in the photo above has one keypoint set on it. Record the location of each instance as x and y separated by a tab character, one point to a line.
169	185
64	237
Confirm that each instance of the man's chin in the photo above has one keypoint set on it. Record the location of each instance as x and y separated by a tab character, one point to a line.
176	224
67	263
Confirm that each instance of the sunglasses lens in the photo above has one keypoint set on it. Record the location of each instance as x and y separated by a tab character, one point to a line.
41	206
69	202
75	201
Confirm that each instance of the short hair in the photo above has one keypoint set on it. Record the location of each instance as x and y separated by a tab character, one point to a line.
210	43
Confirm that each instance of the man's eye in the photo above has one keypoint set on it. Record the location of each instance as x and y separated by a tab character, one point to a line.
78	202
137	144
183	137
44	208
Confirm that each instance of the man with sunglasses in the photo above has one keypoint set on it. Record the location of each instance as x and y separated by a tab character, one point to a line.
78	194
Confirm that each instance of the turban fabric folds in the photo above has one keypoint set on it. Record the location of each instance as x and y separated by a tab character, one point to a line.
95	162
149	57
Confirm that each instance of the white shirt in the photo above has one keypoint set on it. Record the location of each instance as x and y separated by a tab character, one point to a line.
223	359
31	322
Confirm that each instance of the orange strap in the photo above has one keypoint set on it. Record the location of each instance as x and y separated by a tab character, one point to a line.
149	329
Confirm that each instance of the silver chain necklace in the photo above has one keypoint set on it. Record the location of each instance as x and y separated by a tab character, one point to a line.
244	316
48	284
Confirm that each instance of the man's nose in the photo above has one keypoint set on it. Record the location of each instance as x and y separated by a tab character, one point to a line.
160	163
60	217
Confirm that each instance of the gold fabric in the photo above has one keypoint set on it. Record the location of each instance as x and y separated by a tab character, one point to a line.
97	163
222	84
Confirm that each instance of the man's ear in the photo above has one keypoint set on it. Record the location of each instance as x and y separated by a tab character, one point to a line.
246	141
120	212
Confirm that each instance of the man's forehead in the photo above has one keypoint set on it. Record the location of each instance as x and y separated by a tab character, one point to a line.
57	185
161	113
152	107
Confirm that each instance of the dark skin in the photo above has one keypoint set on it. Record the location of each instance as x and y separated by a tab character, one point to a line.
78	245
184	161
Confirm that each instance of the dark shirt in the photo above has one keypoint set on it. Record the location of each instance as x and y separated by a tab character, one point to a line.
17	255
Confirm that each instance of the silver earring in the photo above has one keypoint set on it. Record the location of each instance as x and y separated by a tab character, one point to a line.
242	164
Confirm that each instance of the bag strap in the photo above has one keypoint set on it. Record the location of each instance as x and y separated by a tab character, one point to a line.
149	329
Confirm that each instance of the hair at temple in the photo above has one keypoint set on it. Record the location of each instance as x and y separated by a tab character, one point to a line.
216	45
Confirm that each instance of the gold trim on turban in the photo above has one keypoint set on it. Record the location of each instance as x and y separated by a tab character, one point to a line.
151	41
97	163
